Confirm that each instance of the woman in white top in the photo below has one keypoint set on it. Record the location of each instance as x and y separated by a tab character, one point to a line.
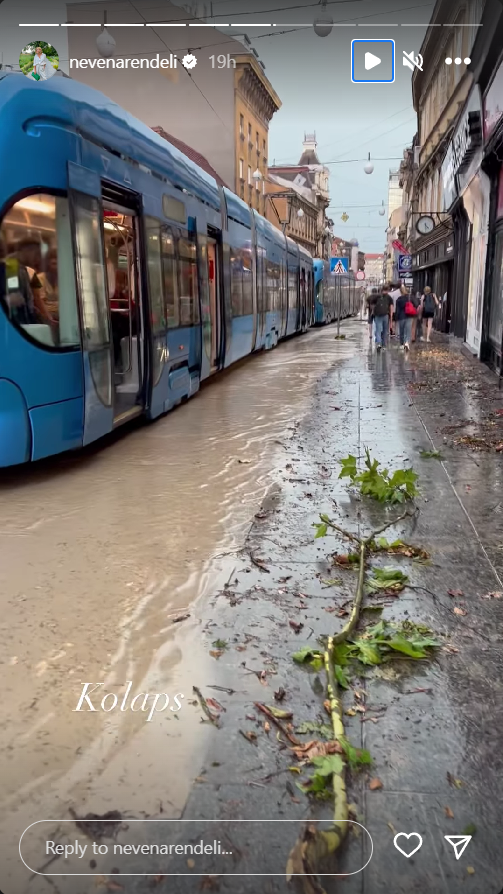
42	66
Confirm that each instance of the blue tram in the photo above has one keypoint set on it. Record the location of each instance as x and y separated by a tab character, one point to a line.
127	275
332	294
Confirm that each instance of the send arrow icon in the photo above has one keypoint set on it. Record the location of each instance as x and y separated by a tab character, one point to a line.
459	843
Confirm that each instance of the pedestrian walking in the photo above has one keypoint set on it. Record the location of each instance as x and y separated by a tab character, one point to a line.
405	313
370	299
395	294
429	304
417	323
381	306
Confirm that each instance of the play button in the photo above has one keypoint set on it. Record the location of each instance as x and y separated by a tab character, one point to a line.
378	54
371	61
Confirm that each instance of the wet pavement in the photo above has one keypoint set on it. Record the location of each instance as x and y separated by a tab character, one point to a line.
209	512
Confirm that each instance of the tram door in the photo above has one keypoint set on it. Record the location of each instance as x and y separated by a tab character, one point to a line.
211	304
216	322
121	244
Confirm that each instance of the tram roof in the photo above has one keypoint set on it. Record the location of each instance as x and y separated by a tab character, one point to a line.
69	104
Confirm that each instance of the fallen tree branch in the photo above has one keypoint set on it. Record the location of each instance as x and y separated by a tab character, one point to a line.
315	845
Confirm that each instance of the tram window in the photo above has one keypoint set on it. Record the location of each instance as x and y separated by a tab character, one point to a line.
247	283
37	278
189	299
272	279
292	288
236	283
169	278
155	279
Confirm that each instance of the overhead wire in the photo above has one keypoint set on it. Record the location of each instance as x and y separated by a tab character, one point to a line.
196	85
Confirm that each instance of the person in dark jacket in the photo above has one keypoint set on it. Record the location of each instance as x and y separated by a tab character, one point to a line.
381	307
370	300
404	320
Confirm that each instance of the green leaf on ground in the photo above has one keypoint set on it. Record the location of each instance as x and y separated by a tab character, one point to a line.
380	485
321	530
306	655
431	454
386	579
320	729
470	829
356	757
349	469
340	676
328	764
220	644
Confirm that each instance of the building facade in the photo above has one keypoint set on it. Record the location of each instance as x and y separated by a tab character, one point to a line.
303	187
440	227
223	113
374	269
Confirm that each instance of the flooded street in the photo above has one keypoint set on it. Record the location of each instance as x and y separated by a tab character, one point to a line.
100	556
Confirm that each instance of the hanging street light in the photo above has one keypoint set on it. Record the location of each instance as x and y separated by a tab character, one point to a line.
105	41
323	25
369	167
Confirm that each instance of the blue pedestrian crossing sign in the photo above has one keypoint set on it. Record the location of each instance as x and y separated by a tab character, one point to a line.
404	263
339	266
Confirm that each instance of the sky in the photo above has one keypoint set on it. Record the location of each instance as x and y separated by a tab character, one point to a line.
312	76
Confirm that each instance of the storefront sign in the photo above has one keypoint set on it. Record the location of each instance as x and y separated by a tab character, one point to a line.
462	148
493	104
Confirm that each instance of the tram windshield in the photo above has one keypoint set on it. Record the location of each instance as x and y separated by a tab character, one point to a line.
37	280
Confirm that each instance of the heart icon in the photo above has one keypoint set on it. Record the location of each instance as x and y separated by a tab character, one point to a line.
415	836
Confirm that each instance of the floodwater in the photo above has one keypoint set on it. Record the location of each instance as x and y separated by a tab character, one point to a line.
100	554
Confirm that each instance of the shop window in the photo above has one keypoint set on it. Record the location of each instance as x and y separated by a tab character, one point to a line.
189	295
496	310
169	278
37	276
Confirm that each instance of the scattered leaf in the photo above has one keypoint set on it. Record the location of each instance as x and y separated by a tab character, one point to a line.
448	812
250	736
375	784
279	713
430	454
220	644
455	593
470	829
496	594
191	863
321	729
280	694
216	653
459	611
296	626
470	870
456	783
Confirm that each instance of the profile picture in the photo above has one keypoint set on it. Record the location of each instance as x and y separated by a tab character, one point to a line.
39	60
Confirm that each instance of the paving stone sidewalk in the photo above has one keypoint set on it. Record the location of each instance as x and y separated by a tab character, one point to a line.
433	728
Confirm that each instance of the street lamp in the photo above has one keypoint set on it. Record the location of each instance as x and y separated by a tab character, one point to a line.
323	25
105	41
382	211
369	167
257	175
300	213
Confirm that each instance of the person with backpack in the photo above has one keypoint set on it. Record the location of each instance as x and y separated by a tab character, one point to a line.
405	313
370	310
381	305
429	304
